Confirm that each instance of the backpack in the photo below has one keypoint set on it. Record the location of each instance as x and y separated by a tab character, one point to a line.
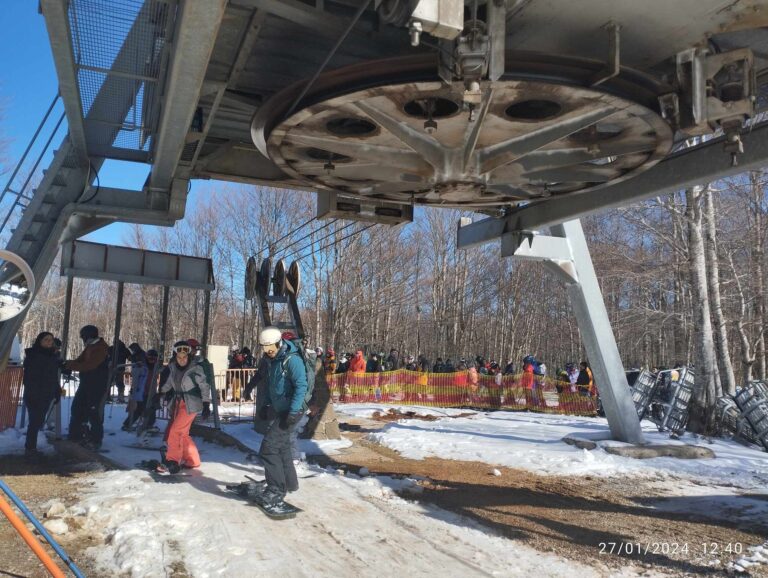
309	358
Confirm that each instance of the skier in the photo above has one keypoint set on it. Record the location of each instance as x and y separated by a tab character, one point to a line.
91	395
192	395
286	386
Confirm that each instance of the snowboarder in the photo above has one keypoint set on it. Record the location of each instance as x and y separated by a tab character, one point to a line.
192	395
282	408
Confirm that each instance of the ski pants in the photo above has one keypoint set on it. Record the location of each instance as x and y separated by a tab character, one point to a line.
181	448
87	408
37	408
276	455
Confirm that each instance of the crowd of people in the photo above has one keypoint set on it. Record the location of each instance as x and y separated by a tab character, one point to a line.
184	385
283	376
574	378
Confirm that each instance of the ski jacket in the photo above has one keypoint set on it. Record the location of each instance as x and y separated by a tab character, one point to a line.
357	365
139	379
41	374
93	366
189	384
286	380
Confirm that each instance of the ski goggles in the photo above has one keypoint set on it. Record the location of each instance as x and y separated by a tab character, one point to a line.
182	349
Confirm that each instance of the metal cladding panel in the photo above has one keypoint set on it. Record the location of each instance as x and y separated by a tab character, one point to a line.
128	265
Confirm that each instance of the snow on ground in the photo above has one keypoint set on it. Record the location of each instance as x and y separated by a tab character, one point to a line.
354	526
733	485
533	442
12	442
351	526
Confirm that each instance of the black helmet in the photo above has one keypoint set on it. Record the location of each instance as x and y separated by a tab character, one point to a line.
89	332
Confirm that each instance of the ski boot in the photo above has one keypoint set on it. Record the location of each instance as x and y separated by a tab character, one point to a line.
251	490
168	468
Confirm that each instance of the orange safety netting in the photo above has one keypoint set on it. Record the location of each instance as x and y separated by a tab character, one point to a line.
10	392
511	392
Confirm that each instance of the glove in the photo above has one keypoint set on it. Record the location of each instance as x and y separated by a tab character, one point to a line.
206	410
264	412
169	395
288	420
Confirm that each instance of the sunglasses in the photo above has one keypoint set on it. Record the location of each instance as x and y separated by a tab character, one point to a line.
182	349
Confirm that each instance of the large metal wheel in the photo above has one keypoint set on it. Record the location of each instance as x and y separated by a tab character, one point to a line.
251	278
279	281
293	279
265	276
392	131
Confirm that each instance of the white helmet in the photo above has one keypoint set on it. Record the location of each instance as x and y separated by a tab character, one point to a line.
270	335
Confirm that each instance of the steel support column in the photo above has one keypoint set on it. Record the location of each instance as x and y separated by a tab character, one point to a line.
566	255
595	328
204	344
116	341
164	322
65	342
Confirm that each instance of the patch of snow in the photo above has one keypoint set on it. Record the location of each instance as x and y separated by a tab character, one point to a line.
757	555
12	442
534	442
56	526
350	527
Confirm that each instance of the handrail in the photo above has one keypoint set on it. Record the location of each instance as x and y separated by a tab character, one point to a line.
20	194
30	539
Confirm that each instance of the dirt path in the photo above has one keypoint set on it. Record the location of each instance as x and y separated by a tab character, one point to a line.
52	477
579	518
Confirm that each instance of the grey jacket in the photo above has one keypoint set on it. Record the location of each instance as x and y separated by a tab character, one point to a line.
189	384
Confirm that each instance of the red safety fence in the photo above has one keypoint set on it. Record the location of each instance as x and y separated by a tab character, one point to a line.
10	394
510	392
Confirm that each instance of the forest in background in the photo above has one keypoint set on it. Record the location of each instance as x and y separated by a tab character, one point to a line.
682	277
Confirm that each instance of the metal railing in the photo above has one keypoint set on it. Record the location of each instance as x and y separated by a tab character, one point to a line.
20	193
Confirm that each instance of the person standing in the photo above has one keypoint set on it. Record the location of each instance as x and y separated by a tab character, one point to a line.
192	395
121	359
357	364
282	408
139	379
41	386
585	382
86	424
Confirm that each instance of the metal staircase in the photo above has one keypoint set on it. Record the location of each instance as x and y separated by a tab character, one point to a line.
48	218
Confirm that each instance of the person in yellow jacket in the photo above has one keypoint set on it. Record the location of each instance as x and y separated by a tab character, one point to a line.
585	382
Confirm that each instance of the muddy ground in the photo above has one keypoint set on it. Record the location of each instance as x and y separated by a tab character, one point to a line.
580	518
597	521
36	482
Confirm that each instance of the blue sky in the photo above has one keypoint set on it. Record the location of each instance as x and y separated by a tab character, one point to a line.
28	84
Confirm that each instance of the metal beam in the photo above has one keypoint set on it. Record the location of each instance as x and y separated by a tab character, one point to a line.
537	248
247	43
193	43
695	166
57	23
299	13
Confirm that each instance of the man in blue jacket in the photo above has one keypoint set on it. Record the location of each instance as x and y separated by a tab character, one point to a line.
282	408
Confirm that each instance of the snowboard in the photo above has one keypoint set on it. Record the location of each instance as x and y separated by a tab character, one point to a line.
287	514
141	447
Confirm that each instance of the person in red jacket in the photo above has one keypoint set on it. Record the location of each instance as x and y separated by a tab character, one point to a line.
357	365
